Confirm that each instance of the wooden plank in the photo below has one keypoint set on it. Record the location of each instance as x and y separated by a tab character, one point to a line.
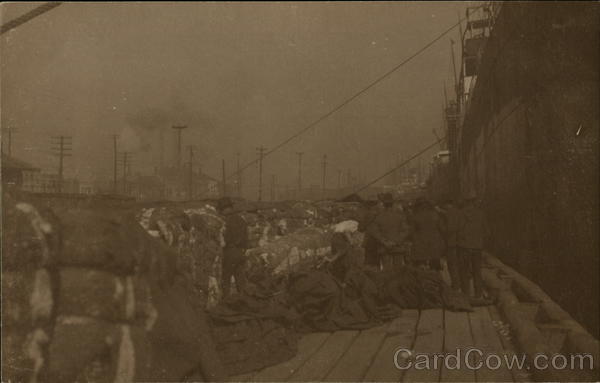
429	340
307	346
519	375
321	362
556	335
401	333
241	378
356	360
457	336
446	273
485	339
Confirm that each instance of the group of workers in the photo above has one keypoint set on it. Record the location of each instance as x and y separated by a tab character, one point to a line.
422	234
417	235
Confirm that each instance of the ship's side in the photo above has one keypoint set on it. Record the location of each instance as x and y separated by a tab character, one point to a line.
526	141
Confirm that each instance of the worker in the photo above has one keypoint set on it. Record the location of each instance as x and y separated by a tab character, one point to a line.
451	215
472	234
343	256
389	230
365	216
236	243
427	238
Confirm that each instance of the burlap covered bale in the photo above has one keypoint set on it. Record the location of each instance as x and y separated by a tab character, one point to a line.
29	250
103	295
102	240
286	252
106	351
196	236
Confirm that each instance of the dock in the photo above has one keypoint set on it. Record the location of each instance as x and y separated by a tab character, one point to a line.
371	355
523	322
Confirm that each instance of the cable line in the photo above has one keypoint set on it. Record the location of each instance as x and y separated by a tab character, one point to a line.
351	98
496	127
28	16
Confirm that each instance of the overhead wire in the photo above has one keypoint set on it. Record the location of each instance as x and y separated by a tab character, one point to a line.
420	152
493	131
28	16
350	98
48	6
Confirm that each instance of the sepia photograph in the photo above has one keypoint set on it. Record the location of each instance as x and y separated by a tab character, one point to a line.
272	191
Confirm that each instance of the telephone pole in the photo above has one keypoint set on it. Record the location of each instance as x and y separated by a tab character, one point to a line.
179	128
299	154
324	163
114	137
28	16
239	176
402	171
191	173
397	172
224	179
454	68
272	187
9	130
126	161
261	152
339	179
63	145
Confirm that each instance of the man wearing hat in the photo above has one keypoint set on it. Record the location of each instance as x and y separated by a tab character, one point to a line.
236	243
427	237
473	231
389	230
451	215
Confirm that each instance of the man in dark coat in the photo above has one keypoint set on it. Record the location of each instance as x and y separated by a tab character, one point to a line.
343	256
472	233
368	212
451	217
389	230
236	243
427	236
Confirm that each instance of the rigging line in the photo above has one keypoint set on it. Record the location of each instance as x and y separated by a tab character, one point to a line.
437	141
28	16
497	127
486	139
353	97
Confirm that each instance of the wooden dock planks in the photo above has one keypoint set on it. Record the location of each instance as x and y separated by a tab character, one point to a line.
457	336
356	360
401	332
241	378
307	346
429	340
486	339
320	363
519	375
368	355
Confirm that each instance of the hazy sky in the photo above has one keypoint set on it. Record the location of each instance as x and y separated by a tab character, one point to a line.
239	75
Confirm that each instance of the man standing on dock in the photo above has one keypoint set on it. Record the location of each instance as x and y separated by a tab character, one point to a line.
451	216
389	229
426	236
366	216
472	234
236	243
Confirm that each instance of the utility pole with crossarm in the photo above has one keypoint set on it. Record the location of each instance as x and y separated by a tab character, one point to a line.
63	146
261	153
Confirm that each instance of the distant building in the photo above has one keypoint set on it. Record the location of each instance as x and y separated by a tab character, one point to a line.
49	183
87	188
24	176
17	173
172	185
